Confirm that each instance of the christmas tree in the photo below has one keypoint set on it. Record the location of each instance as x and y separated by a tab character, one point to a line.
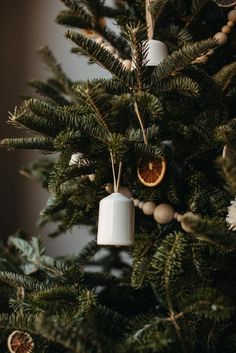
161	133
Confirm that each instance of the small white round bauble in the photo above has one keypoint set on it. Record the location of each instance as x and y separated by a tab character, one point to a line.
92	177
140	205
136	202
232	16
220	38
164	213
125	191
148	208
185	226
127	64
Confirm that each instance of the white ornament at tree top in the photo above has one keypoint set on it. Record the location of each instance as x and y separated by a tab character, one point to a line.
156	52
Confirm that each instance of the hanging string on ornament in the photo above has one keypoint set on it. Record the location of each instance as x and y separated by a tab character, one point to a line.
20	342
116	215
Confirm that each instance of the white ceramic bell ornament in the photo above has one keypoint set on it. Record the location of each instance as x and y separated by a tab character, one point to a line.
116	221
156	52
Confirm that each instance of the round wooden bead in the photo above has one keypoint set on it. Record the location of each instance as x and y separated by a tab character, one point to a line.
226	29
148	208
220	38
232	16
140	205
163	213
127	64
230	24
179	218
136	202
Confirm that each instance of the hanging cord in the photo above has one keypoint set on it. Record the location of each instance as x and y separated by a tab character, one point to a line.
116	181
149	20
140	122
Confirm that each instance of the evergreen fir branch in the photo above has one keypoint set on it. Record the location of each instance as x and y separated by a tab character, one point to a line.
33	253
197	6
44	109
113	86
142	254
15	321
95	98
56	69
213	231
150	333
101	55
87	253
18	280
69	139
36	123
209	304
115	321
181	84
99	279
157	7
58	175
48	91
136	35
181	58
226	134
225	75
149	105
168	265
179	36
135	135
80	11
31	143
70	19
25	308
55	298
117	145
117	41
149	150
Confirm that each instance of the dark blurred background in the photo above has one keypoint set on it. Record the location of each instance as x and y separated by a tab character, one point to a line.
27	25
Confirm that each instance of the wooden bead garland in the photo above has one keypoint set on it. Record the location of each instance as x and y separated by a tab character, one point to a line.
162	213
220	37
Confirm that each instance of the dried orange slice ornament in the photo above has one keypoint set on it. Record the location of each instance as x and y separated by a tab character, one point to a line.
20	342
151	172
